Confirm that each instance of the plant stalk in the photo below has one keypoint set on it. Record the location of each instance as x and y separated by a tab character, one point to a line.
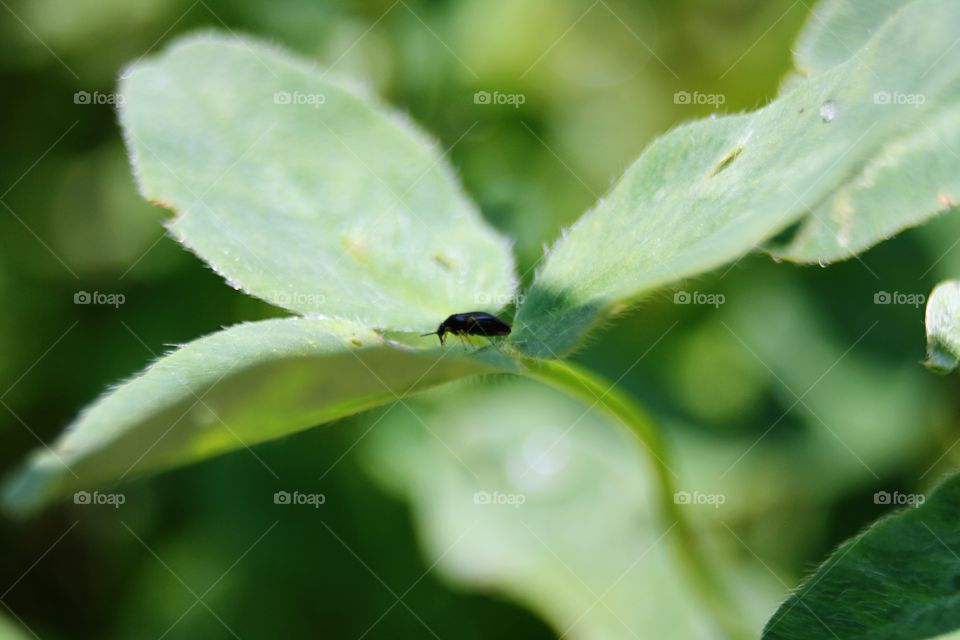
595	391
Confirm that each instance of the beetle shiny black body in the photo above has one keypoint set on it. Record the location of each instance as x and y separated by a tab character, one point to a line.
471	323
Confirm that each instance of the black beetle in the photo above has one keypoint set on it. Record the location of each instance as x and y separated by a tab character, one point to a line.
471	323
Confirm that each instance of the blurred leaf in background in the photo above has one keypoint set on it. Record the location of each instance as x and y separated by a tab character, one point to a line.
521	491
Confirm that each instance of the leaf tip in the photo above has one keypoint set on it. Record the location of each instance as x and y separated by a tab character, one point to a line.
33	486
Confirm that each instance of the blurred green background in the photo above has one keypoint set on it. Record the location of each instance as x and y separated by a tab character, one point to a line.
795	400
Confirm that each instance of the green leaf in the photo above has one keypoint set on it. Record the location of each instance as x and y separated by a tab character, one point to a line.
909	180
712	190
943	328
244	385
895	581
303	191
525	492
837	29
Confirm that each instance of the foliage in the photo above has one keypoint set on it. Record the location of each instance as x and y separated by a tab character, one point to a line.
898	579
300	188
943	327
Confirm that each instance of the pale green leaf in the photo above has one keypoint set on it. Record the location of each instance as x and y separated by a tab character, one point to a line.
229	390
896	581
524	492
909	180
905	183
943	327
837	29
303	191
713	190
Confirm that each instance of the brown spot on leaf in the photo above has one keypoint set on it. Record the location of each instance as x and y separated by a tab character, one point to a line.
163	204
727	161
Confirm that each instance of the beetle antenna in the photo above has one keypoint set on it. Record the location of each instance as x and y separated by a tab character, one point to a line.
432	333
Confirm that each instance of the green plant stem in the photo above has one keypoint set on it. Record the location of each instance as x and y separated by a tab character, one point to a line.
597	392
